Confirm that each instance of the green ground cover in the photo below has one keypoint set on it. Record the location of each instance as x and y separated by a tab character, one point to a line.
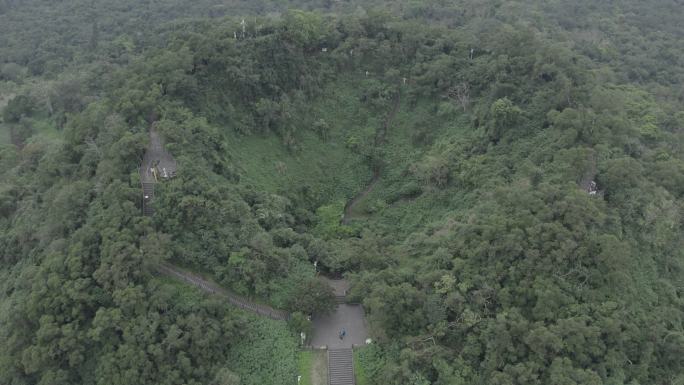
266	352
323	165
304	366
267	355
361	365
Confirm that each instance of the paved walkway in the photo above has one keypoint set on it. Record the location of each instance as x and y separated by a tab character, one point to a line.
326	329
156	160
326	333
351	318
156	156
213	288
348	317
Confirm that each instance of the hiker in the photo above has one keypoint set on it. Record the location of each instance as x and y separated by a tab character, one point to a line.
342	334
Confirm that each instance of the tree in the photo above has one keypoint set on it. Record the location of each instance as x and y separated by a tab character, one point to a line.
18	107
504	115
322	128
13	72
305	29
460	94
312	296
226	377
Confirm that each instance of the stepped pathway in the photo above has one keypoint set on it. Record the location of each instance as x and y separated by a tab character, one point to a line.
158	159
326	332
349	317
212	288
148	196
340	367
326	329
340	288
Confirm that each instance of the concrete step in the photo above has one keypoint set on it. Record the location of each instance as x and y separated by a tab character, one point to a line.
148	196
340	367
148	210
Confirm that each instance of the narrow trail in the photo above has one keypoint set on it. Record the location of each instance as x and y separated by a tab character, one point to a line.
212	288
380	139
349	208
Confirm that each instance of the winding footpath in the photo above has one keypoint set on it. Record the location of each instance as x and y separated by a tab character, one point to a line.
380	139
232	298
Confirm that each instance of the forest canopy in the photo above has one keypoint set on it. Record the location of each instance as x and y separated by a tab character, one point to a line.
501	182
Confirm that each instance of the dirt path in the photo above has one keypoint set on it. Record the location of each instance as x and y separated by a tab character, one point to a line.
380	139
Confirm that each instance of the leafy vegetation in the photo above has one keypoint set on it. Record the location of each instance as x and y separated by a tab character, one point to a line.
524	224
269	354
304	366
367	362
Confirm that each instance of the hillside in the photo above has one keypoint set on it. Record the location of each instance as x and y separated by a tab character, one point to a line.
501	183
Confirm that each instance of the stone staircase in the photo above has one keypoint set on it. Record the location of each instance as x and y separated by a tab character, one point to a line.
157	165
148	196
340	367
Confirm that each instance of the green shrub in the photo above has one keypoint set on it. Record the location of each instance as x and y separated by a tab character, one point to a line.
329	222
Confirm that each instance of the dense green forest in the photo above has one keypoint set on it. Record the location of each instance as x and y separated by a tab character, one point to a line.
521	163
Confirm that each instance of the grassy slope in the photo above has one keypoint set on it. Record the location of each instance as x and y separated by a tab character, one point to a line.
404	148
360	374
328	167
313	367
268	354
46	129
333	172
304	366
